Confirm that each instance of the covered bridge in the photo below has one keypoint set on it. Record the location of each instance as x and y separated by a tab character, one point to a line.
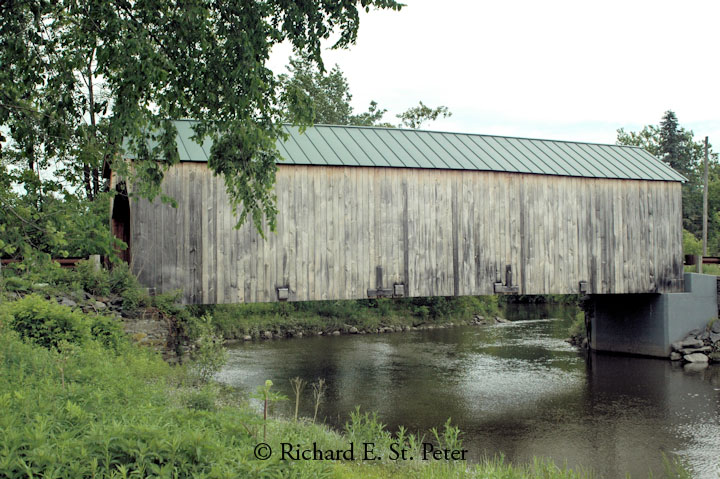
368	211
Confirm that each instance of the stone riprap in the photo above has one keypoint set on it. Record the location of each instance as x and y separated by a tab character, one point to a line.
700	346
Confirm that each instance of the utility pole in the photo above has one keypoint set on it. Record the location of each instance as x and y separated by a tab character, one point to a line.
705	201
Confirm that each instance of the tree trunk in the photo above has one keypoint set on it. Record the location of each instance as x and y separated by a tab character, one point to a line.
88	184
96	181
92	190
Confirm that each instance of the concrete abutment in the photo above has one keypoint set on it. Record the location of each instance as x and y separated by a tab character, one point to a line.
647	324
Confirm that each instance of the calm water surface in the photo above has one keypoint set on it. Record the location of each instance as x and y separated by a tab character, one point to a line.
516	389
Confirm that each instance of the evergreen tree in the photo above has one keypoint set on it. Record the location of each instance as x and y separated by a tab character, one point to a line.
676	145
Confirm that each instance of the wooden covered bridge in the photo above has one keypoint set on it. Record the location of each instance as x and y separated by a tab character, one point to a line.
367	211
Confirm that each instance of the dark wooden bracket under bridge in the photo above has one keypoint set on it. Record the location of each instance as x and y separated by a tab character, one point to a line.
397	290
508	287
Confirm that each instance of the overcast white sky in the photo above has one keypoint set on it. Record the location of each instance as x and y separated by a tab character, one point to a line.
560	69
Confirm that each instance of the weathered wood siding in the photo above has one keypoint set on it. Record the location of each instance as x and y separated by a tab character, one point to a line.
439	232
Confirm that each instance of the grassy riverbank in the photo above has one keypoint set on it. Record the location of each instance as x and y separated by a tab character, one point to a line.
82	401
288	319
237	321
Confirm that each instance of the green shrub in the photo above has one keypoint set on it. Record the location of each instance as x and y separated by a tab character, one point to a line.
25	276
48	324
134	298
16	283
45	323
420	312
167	302
209	355
202	399
124	283
93	280
366	427
540	298
691	245
108	331
449	437
577	329
38	269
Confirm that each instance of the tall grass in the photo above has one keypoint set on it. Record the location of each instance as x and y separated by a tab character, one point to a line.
121	414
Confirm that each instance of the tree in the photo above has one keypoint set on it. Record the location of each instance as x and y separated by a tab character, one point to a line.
676	146
45	221
414	117
327	95
372	117
648	138
84	81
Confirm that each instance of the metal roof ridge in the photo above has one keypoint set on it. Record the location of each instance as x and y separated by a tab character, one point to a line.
417	148
419	130
372	127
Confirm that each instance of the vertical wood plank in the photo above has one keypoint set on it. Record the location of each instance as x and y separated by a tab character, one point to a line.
413	226
348	215
244	258
389	261
438	237
206	251
398	208
194	235
361	232
303	263
446	238
170	224
456	234
430	233
292	207
221	207
480	238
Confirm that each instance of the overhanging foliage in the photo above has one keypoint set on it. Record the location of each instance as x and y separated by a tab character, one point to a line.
80	80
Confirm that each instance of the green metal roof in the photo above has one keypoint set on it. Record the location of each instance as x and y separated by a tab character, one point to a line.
399	148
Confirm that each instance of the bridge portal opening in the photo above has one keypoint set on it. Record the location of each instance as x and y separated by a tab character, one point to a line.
120	220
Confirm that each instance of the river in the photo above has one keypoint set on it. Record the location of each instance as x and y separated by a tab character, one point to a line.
515	389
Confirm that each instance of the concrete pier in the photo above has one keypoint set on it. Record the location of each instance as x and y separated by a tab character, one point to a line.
647	324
